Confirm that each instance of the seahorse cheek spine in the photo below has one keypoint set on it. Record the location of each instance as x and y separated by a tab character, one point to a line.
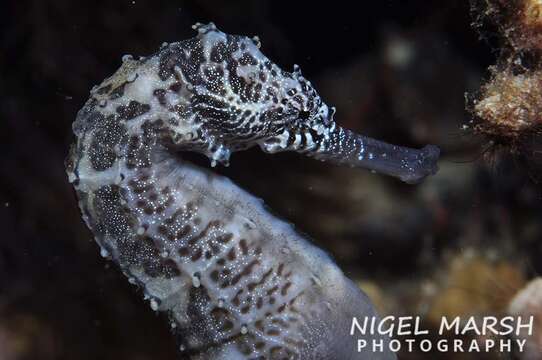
237	282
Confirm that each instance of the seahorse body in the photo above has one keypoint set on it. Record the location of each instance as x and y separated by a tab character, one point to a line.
236	282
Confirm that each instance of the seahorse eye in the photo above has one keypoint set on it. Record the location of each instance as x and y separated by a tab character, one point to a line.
304	114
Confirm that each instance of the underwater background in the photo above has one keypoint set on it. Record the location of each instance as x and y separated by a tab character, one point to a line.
463	243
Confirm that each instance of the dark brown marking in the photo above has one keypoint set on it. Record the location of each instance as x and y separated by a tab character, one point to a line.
132	110
214	275
285	288
280	269
183	232
231	254
225	238
204	232
243	245
183	251
272	290
196	255
161	96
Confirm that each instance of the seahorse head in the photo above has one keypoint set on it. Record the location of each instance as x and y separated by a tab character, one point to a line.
237	98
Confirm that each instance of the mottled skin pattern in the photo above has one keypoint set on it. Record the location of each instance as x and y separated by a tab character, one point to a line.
236	282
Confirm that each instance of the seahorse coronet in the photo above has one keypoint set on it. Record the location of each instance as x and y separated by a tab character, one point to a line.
237	282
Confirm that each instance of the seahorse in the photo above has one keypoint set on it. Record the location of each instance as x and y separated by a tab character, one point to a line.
236	282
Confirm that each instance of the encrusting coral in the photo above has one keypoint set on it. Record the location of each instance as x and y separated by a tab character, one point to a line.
508	108
510	104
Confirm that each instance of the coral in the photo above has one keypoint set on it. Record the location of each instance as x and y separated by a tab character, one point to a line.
518	21
510	104
508	107
475	285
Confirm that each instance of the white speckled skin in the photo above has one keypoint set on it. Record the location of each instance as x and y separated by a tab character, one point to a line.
237	282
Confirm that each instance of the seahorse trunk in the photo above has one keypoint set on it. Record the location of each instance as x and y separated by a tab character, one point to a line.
237	282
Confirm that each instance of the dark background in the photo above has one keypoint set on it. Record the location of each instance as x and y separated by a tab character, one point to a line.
408	246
